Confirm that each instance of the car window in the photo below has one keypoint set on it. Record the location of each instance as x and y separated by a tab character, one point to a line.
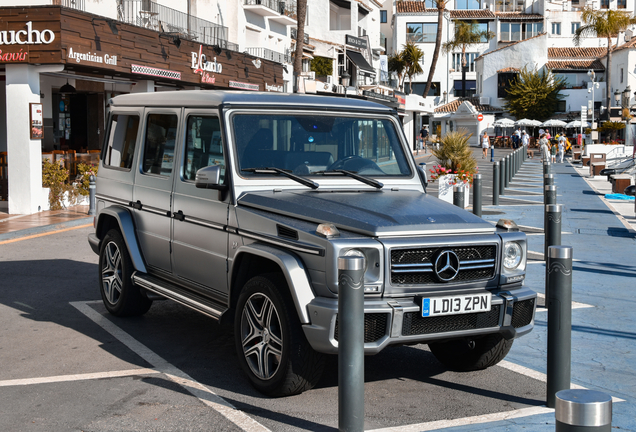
122	139
203	146
161	132
308	144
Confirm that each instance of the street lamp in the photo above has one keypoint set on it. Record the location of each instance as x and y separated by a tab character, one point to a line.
591	74
628	121
617	97
345	80
444	94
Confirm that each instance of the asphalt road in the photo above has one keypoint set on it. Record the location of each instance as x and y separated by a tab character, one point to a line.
68	365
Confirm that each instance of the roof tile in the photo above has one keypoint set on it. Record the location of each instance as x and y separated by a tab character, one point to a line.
454	105
575	65
413	7
472	14
576	52
518	16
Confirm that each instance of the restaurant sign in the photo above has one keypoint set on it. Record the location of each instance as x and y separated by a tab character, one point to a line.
92	57
30	36
201	65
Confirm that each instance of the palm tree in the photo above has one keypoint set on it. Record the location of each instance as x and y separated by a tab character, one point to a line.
397	65
466	35
301	11
441	7
412	56
603	24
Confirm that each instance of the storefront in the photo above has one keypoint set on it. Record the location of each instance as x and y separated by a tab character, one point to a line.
63	65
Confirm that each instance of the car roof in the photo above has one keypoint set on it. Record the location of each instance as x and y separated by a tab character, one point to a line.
216	98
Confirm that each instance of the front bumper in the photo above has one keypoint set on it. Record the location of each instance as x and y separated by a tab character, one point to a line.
397	321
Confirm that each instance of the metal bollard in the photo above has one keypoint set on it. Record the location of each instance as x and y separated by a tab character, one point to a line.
583	410
477	194
547	167
559	302
509	169
507	173
351	343
552	227
492	154
495	183
458	196
502	182
548	179
91	195
549	195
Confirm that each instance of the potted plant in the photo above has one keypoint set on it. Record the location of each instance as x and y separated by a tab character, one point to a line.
457	165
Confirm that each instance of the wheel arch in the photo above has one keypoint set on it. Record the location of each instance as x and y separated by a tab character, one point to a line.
121	219
256	258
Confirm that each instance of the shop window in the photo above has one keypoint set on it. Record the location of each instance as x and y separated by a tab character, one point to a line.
161	132
203	146
504	81
421	32
122	139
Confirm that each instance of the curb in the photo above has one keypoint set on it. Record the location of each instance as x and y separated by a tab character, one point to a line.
45	228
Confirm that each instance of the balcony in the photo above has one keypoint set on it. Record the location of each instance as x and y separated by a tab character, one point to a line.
283	12
150	15
268	54
73	4
294	35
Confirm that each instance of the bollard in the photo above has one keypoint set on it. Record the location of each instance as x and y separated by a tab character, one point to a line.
583	410
552	227
507	173
502	182
559	303
351	343
549	195
547	167
458	196
509	169
91	195
495	183
492	154
548	179
477	194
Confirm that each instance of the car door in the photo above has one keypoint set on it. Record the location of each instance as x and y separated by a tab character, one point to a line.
200	241
152	195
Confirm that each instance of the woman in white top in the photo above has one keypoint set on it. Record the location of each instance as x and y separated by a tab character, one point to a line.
485	144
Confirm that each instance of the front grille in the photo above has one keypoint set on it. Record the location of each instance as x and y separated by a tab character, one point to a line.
374	327
414	324
522	313
416	266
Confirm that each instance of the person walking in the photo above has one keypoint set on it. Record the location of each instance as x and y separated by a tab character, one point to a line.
553	152
561	148
525	141
485	144
423	137
545	148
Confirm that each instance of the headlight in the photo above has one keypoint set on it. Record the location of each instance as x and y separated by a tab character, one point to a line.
512	255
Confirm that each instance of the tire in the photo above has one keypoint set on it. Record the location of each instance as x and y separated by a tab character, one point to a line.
121	297
472	354
270	344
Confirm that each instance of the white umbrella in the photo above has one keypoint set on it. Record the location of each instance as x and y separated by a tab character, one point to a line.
504	122
528	122
553	123
577	124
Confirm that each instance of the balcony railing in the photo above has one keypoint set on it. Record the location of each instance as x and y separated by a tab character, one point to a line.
148	14
294	35
268	54
287	7
73	4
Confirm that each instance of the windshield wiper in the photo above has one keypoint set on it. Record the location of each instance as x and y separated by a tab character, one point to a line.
286	173
354	175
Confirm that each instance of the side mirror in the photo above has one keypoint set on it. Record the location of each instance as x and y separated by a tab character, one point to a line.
209	178
422	173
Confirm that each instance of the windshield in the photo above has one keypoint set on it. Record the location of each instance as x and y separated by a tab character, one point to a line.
312	144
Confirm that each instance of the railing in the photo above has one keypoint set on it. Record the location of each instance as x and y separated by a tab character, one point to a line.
148	14
287	7
73	4
294	35
268	54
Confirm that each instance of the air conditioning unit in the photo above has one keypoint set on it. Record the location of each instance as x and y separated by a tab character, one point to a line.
484	100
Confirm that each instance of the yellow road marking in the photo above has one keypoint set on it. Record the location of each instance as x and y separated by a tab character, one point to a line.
44	234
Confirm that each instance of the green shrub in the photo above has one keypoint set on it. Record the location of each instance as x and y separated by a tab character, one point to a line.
455	157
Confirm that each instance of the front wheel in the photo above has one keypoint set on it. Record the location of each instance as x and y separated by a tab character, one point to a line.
121	297
271	346
472	354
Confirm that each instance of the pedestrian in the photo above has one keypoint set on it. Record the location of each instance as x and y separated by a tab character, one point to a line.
423	137
516	140
553	152
545	148
485	144
525	141
547	135
561	148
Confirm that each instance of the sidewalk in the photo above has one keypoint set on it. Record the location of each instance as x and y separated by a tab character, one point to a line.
15	226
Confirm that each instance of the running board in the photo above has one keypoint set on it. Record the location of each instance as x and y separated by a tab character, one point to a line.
179	295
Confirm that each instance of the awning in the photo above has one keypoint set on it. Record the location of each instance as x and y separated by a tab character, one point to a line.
360	62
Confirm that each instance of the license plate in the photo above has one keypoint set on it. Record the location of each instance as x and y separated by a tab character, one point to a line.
455	305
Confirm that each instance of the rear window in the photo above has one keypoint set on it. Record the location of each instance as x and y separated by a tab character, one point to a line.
122	140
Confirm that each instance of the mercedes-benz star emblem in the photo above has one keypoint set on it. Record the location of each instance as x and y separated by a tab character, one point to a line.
447	266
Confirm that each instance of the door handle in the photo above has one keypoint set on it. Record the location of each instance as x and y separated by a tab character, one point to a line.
179	216
136	205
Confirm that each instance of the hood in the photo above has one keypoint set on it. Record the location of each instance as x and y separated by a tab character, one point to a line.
373	213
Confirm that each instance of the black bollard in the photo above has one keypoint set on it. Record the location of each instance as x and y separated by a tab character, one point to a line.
502	182
549	194
458	196
477	194
509	168
495	183
547	167
552	228
507	174
91	195
548	179
351	343
559	304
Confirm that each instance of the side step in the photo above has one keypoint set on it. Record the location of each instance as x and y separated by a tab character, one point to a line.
180	295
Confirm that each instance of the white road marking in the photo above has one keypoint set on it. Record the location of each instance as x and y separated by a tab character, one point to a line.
77	377
575	305
204	394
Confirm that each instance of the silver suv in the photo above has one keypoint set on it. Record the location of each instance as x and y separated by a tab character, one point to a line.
238	205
